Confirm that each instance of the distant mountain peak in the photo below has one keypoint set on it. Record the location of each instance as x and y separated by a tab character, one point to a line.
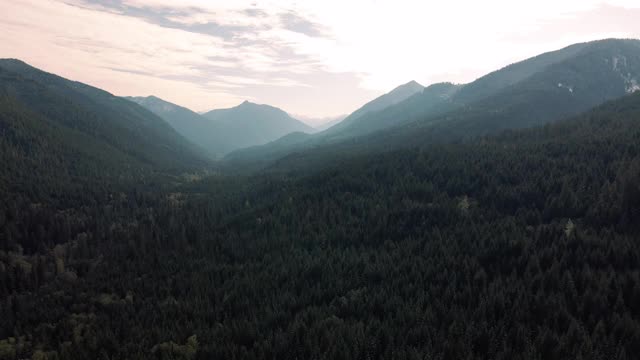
250	104
404	91
249	124
413	83
411	86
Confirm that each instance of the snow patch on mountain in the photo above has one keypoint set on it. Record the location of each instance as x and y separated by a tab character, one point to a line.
168	107
568	87
619	62
632	86
619	65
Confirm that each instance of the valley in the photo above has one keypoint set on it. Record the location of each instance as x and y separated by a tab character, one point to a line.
497	219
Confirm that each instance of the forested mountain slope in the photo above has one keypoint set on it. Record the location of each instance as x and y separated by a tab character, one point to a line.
432	99
56	130
515	246
395	96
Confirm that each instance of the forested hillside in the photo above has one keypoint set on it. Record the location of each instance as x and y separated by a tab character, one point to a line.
517	246
395	96
60	133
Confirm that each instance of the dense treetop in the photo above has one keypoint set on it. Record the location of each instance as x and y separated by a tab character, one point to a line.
518	246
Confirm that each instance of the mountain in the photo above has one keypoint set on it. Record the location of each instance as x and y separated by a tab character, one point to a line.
598	72
207	134
330	132
250	124
393	97
56	128
439	99
535	91
381	117
221	131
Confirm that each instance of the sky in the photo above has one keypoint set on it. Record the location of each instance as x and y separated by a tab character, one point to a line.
313	58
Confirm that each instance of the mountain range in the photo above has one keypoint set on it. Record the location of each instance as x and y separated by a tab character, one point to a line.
532	92
154	133
224	130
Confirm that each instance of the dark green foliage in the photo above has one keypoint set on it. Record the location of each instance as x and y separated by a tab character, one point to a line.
517	246
255	157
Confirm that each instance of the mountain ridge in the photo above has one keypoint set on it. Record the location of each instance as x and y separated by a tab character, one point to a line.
528	93
102	110
61	134
397	95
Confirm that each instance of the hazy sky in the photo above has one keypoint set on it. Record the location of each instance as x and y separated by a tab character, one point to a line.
310	57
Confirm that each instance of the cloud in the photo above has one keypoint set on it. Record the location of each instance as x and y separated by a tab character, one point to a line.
191	19
111	46
294	22
255	12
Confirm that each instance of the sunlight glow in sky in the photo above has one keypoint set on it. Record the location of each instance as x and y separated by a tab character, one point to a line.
314	58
